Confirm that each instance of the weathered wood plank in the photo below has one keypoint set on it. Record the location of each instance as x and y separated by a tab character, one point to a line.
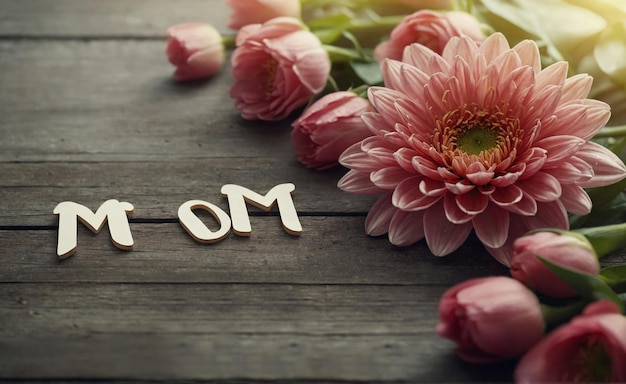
111	18
225	331
80	308
30	191
331	250
116	101
419	357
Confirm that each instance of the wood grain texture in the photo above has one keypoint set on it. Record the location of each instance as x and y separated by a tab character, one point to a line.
89	112
225	331
105	19
331	250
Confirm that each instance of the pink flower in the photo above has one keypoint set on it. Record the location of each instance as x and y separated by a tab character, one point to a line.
196	50
480	138
491	319
590	348
566	250
328	127
277	66
259	11
428	28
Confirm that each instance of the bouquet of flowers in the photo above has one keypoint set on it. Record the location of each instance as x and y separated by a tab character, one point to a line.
483	117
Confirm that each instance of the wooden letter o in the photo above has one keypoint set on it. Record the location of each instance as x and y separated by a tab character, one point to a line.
196	228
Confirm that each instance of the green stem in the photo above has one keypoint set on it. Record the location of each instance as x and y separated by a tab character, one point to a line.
341	55
617	131
554	316
605	239
229	41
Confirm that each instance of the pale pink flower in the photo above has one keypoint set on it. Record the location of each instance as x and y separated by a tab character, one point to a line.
195	49
277	66
490	319
328	127
567	250
246	12
591	348
479	138
432	29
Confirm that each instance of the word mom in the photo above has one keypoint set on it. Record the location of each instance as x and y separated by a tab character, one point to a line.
116	212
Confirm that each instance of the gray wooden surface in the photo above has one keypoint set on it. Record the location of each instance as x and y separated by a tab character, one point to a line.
88	112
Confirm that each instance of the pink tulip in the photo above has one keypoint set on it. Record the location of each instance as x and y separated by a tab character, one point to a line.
590	348
277	66
328	127
568	251
259	11
491	319
428	28
196	50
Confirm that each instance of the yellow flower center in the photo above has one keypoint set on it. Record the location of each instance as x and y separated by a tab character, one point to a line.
476	140
472	134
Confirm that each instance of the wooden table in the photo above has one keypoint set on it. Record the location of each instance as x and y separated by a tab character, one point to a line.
89	112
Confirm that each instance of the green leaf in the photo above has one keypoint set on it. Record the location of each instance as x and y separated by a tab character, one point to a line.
331	21
328	36
610	51
615	277
588	286
369	72
536	17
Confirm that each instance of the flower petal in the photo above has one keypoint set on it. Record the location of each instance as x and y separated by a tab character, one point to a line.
492	226
442	236
576	200
541	187
379	217
607	167
408	197
406	228
358	182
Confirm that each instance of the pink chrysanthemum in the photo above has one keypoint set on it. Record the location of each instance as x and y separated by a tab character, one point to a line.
478	138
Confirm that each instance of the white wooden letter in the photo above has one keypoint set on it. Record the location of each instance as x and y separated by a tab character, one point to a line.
281	194
196	228
112	210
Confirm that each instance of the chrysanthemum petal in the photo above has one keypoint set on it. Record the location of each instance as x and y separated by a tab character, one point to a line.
406	228
408	197
576	87
494	46
391	72
432	187
560	147
548	215
541	187
424	58
607	167
376	123
529	54
473	202
478	174
358	182
389	177
454	214
554	74
404	157
379	217
492	226
508	195
353	157
575	199
442	236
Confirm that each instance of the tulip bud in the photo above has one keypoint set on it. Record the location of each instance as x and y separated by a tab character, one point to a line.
196	50
566	249
491	319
